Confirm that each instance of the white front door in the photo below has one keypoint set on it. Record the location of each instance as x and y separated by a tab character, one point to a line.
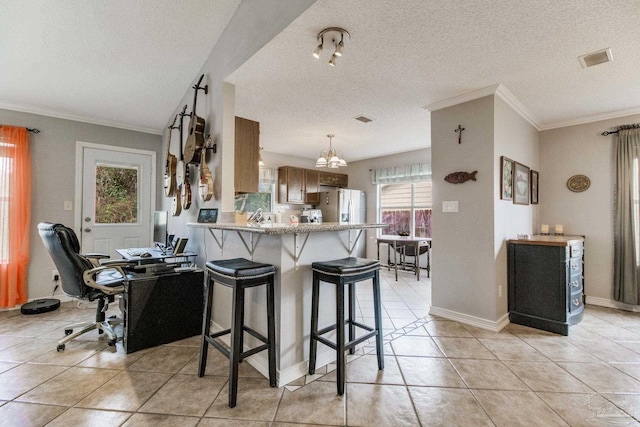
117	195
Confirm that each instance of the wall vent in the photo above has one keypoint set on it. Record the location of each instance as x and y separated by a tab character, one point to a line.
363	119
595	58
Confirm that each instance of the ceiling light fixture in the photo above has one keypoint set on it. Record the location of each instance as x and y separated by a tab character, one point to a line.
330	159
336	35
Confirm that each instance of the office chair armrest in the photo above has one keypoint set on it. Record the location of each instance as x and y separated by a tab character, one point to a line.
89	277
117	262
95	258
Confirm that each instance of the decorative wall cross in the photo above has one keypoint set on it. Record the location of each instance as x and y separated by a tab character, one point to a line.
459	132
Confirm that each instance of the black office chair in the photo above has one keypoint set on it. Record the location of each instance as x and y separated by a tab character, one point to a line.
82	279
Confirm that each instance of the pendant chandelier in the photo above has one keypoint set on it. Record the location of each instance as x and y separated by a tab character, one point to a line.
330	159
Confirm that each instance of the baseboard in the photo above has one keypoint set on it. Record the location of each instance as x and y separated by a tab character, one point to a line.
603	302
494	326
302	368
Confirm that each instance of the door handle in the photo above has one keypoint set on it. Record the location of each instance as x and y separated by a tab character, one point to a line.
87	229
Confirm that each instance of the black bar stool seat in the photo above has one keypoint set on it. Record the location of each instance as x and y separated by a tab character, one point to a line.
346	271
239	274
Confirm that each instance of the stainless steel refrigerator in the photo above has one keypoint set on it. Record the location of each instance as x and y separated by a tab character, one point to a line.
343	206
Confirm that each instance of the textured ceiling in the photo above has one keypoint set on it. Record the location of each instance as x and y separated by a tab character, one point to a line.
119	62
406	54
128	63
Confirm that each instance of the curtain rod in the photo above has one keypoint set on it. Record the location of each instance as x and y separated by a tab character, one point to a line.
33	130
622	127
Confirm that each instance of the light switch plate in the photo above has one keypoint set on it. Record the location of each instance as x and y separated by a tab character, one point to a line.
450	206
68	205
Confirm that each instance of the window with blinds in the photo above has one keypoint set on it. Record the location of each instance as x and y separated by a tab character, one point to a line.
406	208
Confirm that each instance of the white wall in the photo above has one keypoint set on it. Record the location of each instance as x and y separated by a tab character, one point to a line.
582	150
53	156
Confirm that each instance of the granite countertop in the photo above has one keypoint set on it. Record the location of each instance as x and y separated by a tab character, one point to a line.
286	228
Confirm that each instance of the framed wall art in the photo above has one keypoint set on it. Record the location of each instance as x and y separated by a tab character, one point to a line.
534	187
520	184
506	178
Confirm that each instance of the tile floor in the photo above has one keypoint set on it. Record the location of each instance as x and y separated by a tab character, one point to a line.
437	372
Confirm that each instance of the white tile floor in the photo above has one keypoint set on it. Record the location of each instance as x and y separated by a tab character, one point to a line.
437	372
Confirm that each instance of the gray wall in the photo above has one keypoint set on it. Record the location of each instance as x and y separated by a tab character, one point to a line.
360	179
469	256
581	149
53	159
253	25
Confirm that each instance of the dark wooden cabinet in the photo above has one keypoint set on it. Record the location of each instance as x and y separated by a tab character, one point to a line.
290	185
247	153
311	187
297	186
331	179
546	282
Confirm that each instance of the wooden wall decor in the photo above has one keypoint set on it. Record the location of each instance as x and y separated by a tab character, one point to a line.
460	177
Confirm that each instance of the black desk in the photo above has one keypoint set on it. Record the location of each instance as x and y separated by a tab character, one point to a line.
156	256
162	308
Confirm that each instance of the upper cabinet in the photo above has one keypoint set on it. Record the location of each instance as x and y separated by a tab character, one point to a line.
291	185
311	187
331	179
247	152
297	186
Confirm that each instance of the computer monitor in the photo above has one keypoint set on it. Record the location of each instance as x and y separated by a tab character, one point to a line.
160	219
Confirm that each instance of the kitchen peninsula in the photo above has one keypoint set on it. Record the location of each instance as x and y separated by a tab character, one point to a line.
291	249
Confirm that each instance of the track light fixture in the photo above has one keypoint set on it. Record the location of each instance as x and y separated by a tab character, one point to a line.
336	35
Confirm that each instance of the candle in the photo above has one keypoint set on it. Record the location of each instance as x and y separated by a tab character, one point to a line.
544	229
559	229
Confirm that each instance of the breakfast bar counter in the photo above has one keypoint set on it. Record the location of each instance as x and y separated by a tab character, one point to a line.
291	249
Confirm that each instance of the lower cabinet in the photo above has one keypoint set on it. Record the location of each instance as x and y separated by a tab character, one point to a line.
546	282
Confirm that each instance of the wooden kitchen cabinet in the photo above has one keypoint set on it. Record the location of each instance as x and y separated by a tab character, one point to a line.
331	179
290	185
311	187
247	152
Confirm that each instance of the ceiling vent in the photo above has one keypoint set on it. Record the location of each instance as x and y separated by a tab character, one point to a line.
595	58
363	119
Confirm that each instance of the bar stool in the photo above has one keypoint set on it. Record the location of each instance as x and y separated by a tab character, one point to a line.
346	271
239	274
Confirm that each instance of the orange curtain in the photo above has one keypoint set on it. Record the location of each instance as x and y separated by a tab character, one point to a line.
15	214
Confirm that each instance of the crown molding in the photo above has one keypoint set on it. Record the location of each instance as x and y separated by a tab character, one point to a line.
81	119
513	102
498	89
592	118
465	97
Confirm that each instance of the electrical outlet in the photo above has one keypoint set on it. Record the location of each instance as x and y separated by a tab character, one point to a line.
55	276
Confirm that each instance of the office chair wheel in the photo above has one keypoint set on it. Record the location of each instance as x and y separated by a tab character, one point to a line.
60	347
68	332
112	342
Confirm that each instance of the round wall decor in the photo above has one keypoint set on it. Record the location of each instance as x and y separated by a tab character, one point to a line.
578	183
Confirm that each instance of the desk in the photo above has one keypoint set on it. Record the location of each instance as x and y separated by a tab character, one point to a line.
161	308
156	256
396	242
